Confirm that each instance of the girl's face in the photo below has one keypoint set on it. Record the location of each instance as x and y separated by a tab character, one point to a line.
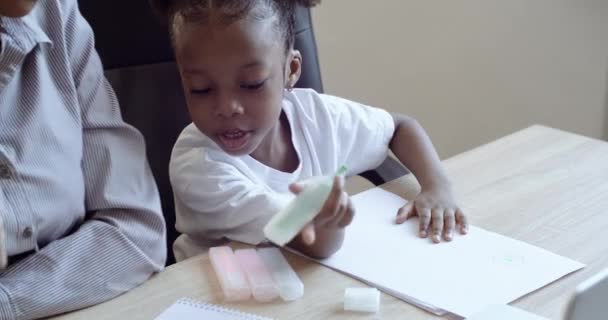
234	77
16	8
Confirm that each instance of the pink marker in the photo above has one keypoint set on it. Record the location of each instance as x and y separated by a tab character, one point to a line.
231	277
262	285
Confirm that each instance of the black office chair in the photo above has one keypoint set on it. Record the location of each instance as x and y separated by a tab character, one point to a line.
135	50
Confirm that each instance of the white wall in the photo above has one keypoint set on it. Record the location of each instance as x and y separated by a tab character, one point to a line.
471	70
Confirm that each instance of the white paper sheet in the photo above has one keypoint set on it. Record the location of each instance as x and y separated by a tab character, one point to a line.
462	277
504	312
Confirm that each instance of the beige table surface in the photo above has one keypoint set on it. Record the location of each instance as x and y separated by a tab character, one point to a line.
546	187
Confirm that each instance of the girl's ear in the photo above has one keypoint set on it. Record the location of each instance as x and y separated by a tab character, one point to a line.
293	69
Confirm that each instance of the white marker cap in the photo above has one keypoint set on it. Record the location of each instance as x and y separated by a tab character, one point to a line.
362	299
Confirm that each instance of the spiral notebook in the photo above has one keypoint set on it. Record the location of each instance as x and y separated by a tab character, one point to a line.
190	309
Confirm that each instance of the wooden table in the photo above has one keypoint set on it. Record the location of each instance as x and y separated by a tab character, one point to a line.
546	187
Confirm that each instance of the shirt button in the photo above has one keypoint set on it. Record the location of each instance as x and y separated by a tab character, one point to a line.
27	232
5	172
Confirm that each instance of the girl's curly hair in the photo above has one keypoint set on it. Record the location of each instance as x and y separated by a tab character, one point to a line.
233	10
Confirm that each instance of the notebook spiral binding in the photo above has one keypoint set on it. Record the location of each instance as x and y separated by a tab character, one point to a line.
213	307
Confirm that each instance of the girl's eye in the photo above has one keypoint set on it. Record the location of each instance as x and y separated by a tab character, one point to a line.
200	91
253	86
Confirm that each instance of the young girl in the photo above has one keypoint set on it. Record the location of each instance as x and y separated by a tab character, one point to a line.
253	136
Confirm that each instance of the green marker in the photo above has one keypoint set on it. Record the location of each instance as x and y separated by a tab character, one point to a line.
342	170
288	222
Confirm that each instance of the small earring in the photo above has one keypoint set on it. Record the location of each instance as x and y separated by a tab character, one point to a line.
289	88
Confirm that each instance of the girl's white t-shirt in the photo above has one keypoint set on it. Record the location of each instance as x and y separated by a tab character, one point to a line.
220	197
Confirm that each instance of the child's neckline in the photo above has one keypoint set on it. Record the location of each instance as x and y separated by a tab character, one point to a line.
294	128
